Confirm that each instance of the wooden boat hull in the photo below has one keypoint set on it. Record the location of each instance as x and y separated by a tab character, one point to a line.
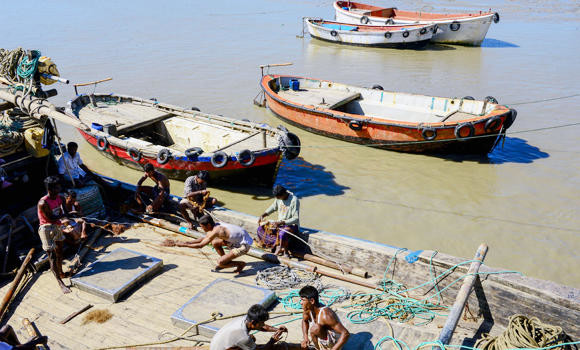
390	134
262	172
461	28
134	132
409	36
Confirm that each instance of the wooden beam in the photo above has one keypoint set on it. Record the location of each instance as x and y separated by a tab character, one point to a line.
462	296
15	283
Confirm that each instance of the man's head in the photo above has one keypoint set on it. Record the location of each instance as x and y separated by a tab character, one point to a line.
52	184
257	316
149	169
206	222
202	176
308	298
280	192
72	148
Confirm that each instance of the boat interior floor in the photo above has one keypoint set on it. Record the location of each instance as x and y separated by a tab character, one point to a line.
353	103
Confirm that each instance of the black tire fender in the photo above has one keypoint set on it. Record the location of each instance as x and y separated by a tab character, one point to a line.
134	153
405	33
290	145
355	125
388	35
470	98
377	87
219	159
509	120
334	33
491	99
195	109
454	26
429	134
163	156
193	152
496	17
389	21
246	154
364	20
423	31
459	128
102	143
492	124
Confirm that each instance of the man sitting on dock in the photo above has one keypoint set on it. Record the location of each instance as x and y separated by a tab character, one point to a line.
236	334
320	323
157	195
220	235
196	197
288	207
50	212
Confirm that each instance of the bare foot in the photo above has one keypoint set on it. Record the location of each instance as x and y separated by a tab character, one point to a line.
65	289
84	237
217	268
241	267
168	243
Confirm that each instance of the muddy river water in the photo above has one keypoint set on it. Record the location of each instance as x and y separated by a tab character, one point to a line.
523	199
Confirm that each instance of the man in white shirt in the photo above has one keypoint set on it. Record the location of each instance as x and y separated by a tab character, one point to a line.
70	166
236	334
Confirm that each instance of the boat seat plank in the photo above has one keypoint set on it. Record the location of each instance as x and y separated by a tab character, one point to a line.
122	114
322	98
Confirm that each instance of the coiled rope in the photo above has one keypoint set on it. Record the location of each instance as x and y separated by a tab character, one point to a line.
283	277
11	136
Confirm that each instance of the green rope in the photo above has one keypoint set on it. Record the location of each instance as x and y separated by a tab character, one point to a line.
27	68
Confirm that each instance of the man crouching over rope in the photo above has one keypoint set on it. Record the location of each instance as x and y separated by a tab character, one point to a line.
277	233
220	235
320	323
236	334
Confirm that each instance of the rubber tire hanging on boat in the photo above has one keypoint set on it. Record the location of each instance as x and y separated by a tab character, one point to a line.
492	124
454	26
333	33
355	125
388	35
377	87
491	99
405	33
364	20
470	98
215	159
460	127
389	21
425	133
434	29
163	156
193	152
423	31
509	120
195	109
134	153
246	153
289	144
104	141
496	17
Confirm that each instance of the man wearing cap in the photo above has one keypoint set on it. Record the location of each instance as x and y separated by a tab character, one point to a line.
288	207
195	197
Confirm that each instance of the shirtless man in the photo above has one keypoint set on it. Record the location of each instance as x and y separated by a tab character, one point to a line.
320	323
77	227
220	234
157	195
51	214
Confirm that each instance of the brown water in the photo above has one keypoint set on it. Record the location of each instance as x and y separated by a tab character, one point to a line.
522	200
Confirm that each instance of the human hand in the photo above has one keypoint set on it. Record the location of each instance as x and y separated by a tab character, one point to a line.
278	335
149	209
65	222
304	344
169	243
260	219
283	329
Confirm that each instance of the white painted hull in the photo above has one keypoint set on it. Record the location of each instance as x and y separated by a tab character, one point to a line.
397	37
471	31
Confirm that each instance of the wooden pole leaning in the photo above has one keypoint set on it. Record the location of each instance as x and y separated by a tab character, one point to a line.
462	296
31	329
15	283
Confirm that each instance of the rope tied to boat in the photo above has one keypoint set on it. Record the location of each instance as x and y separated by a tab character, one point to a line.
11	135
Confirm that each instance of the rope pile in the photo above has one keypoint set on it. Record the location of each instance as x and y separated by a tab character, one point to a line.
327	296
283	277
524	332
9	62
11	136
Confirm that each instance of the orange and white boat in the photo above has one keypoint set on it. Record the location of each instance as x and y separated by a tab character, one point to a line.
390	120
454	28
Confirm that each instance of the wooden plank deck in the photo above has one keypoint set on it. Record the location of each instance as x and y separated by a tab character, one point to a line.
143	315
322	98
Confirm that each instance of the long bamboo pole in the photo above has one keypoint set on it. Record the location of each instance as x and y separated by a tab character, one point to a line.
15	283
462	296
341	267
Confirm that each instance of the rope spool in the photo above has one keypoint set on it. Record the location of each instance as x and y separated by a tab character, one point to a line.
90	201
